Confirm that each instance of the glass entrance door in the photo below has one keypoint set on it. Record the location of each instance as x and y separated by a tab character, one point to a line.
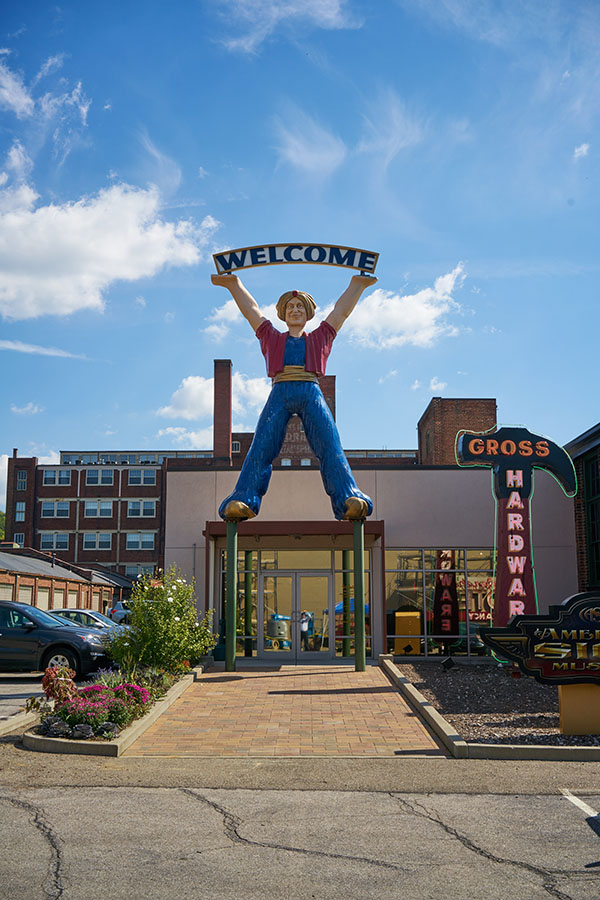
295	617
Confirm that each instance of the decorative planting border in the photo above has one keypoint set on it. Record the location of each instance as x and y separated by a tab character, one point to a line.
116	747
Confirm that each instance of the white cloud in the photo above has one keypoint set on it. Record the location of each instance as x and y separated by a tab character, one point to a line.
30	409
194	398
13	93
261	18
169	317
202	173
581	151
20	347
415	385
189	440
390	128
308	146
46	459
385	320
3	478
436	385
141	301
59	259
391	374
18	161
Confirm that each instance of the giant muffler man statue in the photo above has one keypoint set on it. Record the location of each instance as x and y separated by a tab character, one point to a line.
295	360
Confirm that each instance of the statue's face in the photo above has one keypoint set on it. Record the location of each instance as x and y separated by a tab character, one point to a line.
295	312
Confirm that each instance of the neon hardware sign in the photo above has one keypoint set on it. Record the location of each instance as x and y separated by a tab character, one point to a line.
512	453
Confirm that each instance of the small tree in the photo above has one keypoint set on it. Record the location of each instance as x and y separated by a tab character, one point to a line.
164	630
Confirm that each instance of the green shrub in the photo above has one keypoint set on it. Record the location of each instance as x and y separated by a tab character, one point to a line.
164	630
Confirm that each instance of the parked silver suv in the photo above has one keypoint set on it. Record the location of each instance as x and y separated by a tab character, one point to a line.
119	612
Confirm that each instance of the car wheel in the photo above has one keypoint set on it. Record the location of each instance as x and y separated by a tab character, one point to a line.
62	656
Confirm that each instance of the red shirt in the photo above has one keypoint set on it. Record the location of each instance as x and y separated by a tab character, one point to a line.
318	347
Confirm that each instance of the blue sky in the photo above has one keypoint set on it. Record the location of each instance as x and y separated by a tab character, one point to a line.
457	138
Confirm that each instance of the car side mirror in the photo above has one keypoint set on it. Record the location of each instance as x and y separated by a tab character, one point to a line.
29	625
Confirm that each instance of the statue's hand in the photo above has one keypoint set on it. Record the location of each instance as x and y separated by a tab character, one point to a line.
364	281
224	280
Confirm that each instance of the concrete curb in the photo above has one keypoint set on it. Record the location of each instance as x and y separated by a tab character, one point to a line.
112	748
463	750
17	721
442	729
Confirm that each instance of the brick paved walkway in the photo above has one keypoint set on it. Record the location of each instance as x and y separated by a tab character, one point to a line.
288	711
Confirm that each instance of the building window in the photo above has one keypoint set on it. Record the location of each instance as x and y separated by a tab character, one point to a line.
98	509
55	509
54	541
97	541
19	511
140	541
134	571
57	476
235	446
286	462
146	508
99	476
21	480
305	462
142	476
19	538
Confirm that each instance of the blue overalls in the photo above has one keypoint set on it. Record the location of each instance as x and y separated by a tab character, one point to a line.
305	399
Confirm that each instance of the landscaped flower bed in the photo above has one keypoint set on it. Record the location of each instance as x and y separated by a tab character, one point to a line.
99	710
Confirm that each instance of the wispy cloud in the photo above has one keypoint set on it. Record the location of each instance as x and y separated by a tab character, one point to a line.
258	20
30	409
59	259
390	128
581	151
384	320
20	347
165	172
308	146
14	95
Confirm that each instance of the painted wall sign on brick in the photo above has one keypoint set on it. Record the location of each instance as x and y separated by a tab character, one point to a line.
286	254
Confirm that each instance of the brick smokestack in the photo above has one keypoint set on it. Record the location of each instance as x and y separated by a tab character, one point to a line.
222	410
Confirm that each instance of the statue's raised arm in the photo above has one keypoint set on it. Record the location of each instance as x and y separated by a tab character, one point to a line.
247	305
349	299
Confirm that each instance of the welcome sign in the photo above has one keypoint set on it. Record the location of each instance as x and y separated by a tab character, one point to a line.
286	254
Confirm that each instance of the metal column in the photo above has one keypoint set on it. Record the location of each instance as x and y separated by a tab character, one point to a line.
359	596
231	598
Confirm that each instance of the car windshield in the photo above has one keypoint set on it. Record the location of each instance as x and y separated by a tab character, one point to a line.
47	620
104	619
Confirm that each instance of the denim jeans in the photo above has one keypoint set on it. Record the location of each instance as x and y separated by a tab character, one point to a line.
304	398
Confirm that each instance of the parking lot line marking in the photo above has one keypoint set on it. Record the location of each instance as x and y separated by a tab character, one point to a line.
580	803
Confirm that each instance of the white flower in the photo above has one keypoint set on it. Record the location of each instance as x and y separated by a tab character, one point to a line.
169	599
140	576
177	619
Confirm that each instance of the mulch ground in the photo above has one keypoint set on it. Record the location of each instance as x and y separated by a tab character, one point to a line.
487	705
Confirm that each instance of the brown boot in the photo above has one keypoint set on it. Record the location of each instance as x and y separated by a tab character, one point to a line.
356	508
237	511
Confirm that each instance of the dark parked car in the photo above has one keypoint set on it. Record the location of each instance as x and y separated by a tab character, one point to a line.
32	640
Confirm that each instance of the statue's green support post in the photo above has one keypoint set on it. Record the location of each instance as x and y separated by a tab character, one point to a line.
248	603
231	598
359	596
346	612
